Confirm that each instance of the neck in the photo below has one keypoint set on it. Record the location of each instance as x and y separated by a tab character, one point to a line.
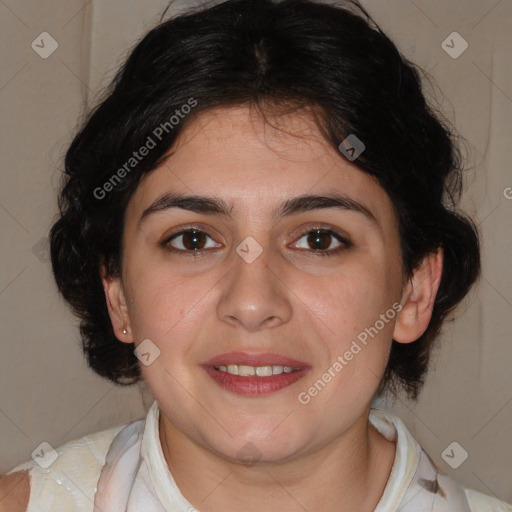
349	473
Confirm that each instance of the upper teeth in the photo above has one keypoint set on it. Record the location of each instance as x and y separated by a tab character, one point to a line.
250	371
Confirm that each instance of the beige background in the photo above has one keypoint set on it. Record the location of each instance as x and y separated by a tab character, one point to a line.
47	392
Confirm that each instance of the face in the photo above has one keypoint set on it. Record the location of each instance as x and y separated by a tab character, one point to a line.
256	278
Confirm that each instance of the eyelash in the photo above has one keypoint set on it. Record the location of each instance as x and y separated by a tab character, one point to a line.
346	244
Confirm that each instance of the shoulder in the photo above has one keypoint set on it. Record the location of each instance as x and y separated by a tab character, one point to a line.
64	479
479	502
417	484
14	492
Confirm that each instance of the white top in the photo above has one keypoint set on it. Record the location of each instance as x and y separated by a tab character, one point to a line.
123	469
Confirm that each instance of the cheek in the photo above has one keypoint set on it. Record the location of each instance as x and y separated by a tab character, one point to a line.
358	341
351	299
163	303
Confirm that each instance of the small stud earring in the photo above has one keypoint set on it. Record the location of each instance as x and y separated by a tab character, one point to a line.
124	331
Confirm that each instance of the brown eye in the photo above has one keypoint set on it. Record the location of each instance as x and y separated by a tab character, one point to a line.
320	242
191	240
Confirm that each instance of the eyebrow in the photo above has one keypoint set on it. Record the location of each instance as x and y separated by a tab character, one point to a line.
217	206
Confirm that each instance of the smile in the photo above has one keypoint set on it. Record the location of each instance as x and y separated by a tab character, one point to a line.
254	374
258	371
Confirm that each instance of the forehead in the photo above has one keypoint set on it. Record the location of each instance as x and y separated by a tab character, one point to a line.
242	133
255	163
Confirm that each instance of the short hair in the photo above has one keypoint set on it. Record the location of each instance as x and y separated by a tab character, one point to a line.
331	60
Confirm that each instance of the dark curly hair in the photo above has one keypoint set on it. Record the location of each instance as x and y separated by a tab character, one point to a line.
334	61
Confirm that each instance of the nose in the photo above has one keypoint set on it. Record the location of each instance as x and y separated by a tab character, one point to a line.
254	296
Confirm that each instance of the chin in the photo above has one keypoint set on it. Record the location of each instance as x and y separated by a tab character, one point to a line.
259	449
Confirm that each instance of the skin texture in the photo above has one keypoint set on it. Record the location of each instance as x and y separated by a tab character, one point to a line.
14	492
289	301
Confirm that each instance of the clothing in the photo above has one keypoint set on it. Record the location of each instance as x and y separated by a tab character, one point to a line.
123	469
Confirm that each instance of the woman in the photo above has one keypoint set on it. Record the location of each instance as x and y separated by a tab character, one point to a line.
259	222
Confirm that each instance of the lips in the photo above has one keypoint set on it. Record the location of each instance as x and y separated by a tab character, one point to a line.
254	385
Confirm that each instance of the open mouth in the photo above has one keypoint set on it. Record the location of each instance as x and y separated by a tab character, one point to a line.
250	373
254	380
255	371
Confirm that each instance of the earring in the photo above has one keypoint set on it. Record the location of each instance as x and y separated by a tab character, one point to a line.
124	331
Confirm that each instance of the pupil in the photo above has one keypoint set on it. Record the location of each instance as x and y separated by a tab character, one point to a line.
191	238
316	238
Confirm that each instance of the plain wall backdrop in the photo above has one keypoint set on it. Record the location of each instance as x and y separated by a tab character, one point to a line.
47	391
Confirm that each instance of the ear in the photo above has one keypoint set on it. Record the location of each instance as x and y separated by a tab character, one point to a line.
418	299
116	304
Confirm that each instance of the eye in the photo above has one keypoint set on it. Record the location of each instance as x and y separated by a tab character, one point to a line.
189	240
320	241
